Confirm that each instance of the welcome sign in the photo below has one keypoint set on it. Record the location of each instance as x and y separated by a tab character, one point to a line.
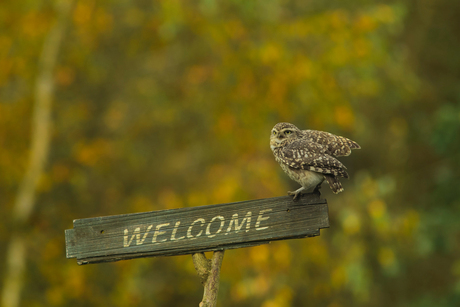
195	229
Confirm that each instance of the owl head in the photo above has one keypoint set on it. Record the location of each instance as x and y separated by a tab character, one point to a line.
282	134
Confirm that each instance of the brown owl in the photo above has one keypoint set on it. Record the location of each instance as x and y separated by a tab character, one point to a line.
309	156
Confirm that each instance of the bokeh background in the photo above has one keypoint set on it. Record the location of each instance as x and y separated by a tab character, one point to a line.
169	104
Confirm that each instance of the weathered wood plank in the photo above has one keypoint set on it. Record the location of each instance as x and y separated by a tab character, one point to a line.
195	229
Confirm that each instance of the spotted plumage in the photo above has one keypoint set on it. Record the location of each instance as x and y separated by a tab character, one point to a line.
309	156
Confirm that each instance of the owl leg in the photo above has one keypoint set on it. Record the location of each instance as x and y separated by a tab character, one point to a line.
316	190
296	193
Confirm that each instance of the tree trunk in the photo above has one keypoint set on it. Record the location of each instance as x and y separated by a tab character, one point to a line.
40	143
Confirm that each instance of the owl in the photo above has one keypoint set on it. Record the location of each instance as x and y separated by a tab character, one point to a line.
309	156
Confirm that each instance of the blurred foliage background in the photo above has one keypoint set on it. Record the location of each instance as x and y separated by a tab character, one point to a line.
169	104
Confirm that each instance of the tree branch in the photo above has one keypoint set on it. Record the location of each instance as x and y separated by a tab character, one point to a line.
209	272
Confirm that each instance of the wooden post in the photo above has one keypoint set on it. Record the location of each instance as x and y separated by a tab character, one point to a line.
195	230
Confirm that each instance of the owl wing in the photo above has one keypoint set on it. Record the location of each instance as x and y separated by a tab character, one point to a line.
307	155
337	146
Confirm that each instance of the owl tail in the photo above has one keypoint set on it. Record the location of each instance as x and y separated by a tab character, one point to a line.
334	183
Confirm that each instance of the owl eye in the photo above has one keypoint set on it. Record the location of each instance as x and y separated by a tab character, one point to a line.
274	132
288	132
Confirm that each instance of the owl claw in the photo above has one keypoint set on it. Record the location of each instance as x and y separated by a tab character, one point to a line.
296	193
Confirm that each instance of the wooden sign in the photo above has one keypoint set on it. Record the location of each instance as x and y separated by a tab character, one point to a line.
195	229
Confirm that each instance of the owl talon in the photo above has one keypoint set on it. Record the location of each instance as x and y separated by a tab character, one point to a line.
296	193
